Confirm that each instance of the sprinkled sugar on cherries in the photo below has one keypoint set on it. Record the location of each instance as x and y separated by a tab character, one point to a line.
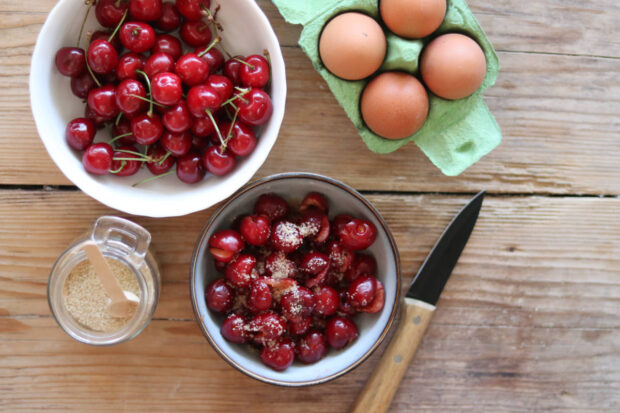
287	291
155	78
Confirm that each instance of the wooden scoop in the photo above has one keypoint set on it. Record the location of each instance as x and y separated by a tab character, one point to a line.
123	304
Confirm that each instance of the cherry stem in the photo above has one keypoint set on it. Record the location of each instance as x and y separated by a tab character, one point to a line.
152	178
118	26
118	3
148	83
114	139
92	74
166	156
118	118
237	96
123	163
216	25
130	159
141	155
211	46
219	134
251	66
229	135
150	101
90	5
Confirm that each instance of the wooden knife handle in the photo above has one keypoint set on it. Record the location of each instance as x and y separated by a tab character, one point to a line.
379	390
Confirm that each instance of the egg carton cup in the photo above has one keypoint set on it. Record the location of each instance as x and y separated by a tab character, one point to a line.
457	133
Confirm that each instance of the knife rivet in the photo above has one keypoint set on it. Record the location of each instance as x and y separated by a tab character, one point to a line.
416	320
398	358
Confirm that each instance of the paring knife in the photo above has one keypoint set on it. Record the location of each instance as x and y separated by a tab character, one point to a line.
418	309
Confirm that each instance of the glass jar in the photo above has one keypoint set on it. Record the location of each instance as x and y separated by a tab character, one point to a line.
118	239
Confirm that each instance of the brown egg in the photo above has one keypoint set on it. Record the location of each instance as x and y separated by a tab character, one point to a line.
413	19
453	66
394	105
352	46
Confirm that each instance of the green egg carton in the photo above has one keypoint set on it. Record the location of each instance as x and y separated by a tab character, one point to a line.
456	133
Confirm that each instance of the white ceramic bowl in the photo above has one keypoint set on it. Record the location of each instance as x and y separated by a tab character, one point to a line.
246	31
372	327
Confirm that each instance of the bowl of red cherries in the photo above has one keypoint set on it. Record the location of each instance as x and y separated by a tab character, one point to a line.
295	279
158	107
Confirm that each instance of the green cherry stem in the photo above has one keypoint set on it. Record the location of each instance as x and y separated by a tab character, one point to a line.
219	134
114	139
211	46
140	155
118	26
229	134
123	163
148	83
166	156
92	74
90	5
252	67
129	159
149	100
152	178
118	118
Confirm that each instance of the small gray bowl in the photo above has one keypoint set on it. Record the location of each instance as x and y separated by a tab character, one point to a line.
373	328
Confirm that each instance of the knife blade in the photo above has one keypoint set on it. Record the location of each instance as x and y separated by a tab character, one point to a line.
418	309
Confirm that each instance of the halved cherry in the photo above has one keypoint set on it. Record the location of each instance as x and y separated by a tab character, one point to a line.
241	271
297	304
378	302
272	205
316	200
280	355
267	327
225	244
278	265
362	291
311	348
260	296
362	264
340	257
357	234
234	329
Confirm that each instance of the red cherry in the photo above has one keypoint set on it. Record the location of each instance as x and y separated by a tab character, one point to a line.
105	35
213	57
192	9
123	128
191	69
102	56
126	99
222	85
255	73
202	127
241	271
272	206
312	348
125	167
357	234
260	296
166	88
103	101
97	158
300	327
158	63
267	327
345	307
255	229
340	332
128	64
314	200
82	85
219	296
278	265
70	61
97	119
327	301
362	291
137	37
286	237
177	144
145	10
378	302
80	133
110	12
170	18
201	99
177	119
362	264
199	144
223	241
278	356
189	168
160	161
146	129
217	162
297	304
195	33
255	107
165	43
340	221
234	329
232	68
340	257
314	262
242	141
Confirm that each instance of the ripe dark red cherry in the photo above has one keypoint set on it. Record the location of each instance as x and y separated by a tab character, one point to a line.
192	9
158	63
297	304
314	200
123	128
125	167
327	301
97	158
255	229
202	127
70	61
362	291
313	262
102	56
177	144
340	257
103	101
255	73
195	33
340	332
357	234
378	302
301	327
202	98
232	68
213	57
260	296
280	355
217	162
191	69
222	85
225	244
240	272
255	108
363	264
233	329
97	119
219	296
311	348
267	327
242	141
271	205
145	10
82	85
146	129
177	119
286	237
279	266
80	133
160	161
170	18
128	64
137	36
165	43
126	99
105	35
166	88
110	12
189	168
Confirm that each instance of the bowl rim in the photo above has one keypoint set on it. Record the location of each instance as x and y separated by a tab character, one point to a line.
201	242
109	196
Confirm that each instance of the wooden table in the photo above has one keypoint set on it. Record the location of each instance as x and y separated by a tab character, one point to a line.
530	320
